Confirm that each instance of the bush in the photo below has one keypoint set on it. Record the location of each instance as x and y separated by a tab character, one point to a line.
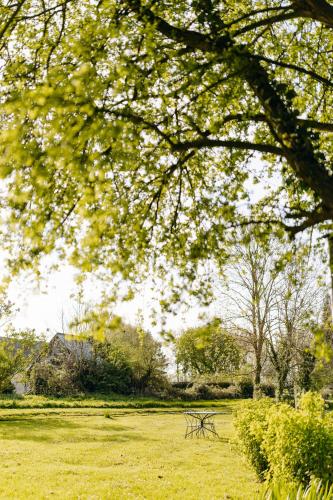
280	441
73	376
91	375
48	379
268	390
251	425
246	388
299	443
208	392
181	385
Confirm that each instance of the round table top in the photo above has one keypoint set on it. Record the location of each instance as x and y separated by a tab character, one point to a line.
203	412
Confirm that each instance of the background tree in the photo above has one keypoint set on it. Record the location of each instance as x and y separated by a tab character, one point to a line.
18	351
130	126
207	350
270	306
250	292
144	354
297	302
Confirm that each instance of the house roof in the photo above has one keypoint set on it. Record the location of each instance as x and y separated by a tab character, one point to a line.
75	344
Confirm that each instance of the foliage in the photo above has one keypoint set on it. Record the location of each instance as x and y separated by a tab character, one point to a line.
305	370
280	441
207	392
246	387
315	490
207	350
104	376
127	361
18	350
299	443
143	353
46	378
251	425
129	126
71	376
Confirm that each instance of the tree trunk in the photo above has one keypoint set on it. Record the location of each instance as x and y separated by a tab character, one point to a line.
330	252
281	384
257	380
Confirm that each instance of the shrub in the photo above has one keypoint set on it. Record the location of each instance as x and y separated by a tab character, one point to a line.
72	376
251	425
91	375
199	391
49	379
246	388
299	443
208	392
181	385
280	441
268	390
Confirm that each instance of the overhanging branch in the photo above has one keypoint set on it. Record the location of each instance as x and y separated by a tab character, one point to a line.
231	144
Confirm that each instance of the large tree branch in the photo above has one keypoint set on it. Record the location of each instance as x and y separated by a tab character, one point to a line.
260	117
191	38
266	22
292	136
318	10
231	144
295	67
319	215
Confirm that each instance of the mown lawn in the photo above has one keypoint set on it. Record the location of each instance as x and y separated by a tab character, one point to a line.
102	401
78	453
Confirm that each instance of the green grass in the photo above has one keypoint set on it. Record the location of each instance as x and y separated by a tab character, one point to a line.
77	453
102	401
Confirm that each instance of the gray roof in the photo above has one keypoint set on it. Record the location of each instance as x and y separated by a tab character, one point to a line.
74	344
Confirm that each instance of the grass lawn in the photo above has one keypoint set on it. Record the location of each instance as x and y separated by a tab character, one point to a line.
77	453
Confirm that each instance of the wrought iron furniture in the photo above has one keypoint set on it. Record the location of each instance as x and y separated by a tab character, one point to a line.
200	424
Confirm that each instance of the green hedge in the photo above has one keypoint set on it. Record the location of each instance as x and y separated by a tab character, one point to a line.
282	442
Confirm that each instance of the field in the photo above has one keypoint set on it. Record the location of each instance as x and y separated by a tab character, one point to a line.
79	453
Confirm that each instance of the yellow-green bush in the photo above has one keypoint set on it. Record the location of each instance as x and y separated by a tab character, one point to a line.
298	444
283	442
251	426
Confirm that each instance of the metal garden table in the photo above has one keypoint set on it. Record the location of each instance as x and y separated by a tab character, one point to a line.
200	423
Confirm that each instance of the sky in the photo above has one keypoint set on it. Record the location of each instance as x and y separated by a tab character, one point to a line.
43	307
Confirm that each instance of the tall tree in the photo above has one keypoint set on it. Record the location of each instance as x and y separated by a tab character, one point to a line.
251	294
297	302
128	128
270	308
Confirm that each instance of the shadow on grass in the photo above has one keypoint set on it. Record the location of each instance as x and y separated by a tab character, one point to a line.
55	430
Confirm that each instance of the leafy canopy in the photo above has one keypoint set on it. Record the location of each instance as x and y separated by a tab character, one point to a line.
207	350
134	129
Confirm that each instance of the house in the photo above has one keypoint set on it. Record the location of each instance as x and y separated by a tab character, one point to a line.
76	345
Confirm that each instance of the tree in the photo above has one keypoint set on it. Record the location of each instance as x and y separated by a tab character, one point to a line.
271	307
18	350
207	350
128	128
289	341
143	353
250	290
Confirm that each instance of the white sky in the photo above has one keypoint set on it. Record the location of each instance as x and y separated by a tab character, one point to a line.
41	306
